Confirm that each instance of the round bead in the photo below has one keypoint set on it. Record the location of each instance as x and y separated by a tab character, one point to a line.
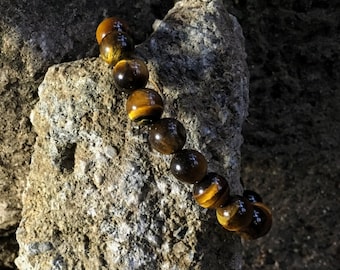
212	191
131	74
260	224
144	106
167	136
189	166
109	25
236	214
115	46
252	196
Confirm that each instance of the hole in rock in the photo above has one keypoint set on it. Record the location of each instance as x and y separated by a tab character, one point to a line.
67	158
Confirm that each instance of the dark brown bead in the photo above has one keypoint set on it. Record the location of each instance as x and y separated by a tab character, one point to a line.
189	166
252	196
167	136
212	191
236	214
144	106
115	46
109	25
130	74
260	224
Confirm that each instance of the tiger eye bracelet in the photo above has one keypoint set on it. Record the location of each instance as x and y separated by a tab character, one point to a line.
246	215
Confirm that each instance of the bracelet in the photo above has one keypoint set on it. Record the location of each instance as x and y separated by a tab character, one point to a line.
246	215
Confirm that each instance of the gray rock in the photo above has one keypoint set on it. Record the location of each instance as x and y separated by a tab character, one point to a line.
34	35
97	197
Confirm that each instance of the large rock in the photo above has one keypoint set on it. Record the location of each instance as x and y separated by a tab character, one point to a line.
34	35
97	197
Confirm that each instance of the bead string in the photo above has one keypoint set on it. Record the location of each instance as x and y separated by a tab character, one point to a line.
246	215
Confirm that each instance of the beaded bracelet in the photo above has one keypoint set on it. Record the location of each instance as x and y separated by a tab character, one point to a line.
246	215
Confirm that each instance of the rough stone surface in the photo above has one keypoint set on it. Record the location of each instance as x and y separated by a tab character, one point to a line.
34	35
96	196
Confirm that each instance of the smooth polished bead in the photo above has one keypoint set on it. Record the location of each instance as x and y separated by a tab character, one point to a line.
167	136
236	214
130	74
189	166
109	25
252	196
144	106
212	191
115	46
261	222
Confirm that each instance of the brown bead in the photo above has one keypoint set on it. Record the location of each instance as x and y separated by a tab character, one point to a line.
130	74
167	136
189	166
260	224
252	196
144	106
115	46
109	25
212	191
236	214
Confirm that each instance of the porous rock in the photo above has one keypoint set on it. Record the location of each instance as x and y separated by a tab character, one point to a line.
97	197
34	35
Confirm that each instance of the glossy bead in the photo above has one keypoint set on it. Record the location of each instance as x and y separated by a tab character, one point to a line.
144	106
115	46
167	136
260	224
252	196
212	191
236	214
189	166
109	25
131	74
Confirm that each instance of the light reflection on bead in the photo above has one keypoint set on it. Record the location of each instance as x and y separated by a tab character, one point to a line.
212	191
167	136
260	224
236	214
189	166
144	106
130	74
115	46
109	25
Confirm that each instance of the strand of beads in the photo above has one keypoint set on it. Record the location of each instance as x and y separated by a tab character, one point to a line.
246	215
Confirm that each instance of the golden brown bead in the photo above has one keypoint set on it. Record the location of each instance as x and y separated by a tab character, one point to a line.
109	25
130	74
212	191
236	214
115	46
167	136
260	224
144	106
189	166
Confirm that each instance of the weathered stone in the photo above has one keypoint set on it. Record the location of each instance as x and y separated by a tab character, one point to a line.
97	197
34	35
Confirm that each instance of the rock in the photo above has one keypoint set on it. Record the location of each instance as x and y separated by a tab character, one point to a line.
97	197
34	35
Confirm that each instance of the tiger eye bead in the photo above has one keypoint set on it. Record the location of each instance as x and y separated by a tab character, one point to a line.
144	106
212	191
252	196
189	166
236	214
109	25
261	222
115	46
167	136
130	74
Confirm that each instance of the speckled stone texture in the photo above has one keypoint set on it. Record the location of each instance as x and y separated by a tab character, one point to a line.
34	35
97	197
